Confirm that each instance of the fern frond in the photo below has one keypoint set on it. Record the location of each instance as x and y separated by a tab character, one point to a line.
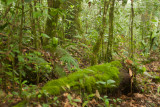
69	60
61	52
65	57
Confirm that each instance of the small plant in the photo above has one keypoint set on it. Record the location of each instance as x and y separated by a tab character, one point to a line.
73	101
106	100
110	83
118	100
88	98
56	101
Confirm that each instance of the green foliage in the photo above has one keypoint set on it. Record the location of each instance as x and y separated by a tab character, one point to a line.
66	58
45	27
21	104
69	60
116	64
72	101
106	100
85	79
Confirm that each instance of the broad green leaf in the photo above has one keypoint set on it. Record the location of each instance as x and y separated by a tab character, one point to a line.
25	81
39	96
69	97
154	20
85	103
45	35
101	82
9	73
15	72
91	95
110	82
55	98
114	100
37	14
144	69
54	40
76	100
107	103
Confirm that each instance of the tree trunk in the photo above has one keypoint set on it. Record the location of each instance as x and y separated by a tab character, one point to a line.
73	8
20	45
100	39
110	39
132	19
51	23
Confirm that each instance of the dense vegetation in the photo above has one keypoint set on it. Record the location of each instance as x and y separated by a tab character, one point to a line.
76	52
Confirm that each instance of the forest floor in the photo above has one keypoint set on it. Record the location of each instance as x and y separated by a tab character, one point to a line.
150	89
149	96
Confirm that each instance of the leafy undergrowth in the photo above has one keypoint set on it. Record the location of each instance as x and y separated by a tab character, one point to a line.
33	96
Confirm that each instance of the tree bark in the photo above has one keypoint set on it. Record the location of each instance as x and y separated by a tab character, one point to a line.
51	24
21	27
73	8
132	19
110	38
100	39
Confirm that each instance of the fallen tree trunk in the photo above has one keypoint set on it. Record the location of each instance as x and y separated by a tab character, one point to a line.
107	79
104	77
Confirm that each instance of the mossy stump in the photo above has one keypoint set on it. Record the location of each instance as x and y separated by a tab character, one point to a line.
86	80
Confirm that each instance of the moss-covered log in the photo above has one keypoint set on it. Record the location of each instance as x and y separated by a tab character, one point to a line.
87	80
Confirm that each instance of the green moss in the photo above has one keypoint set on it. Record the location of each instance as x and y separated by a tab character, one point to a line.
116	64
90	84
85	79
53	89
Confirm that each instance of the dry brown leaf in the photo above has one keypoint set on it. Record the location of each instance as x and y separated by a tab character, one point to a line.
39	105
24	50
65	94
97	94
123	97
138	95
8	87
129	62
66	103
131	103
93	102
73	95
130	72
